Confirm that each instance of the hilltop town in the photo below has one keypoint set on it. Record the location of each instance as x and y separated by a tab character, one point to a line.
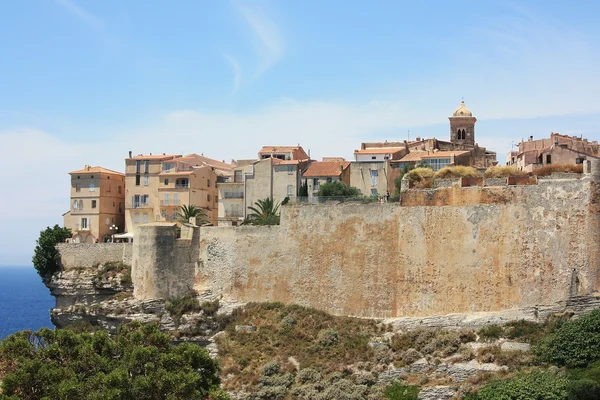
107	205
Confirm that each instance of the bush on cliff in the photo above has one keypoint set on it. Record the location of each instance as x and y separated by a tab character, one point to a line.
337	189
139	363
46	259
573	344
539	384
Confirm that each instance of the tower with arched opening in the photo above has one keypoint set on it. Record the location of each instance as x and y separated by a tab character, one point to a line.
462	126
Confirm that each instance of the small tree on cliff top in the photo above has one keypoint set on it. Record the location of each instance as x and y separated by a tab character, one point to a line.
46	259
337	188
191	211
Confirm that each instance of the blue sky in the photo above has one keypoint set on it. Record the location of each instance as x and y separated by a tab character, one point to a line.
84	82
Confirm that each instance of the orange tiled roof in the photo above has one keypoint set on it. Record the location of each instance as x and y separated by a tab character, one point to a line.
279	161
155	157
419	155
379	150
200	159
97	170
325	168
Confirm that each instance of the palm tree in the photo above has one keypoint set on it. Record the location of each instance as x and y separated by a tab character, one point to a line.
191	211
264	212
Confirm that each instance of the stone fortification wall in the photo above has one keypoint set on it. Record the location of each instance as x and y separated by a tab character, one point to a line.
162	265
451	250
90	255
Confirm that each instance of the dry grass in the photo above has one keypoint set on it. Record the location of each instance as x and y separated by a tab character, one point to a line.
565	168
499	171
420	174
315	339
458	171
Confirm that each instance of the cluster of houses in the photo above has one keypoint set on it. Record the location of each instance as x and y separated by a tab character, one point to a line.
107	204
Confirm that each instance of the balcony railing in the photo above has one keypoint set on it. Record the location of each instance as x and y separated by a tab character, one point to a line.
170	203
138	204
237	214
233	195
182	185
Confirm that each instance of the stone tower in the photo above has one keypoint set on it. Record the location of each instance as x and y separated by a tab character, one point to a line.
462	126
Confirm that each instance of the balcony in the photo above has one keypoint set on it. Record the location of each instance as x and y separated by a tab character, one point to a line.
170	203
138	204
182	185
233	195
234	213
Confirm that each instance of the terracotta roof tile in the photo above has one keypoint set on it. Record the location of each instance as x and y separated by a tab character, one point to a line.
325	168
97	170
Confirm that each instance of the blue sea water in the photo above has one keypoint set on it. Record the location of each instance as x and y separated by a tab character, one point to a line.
25	302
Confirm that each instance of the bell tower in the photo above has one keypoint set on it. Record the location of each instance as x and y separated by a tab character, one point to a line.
462	126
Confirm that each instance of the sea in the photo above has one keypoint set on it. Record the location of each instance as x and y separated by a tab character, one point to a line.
25	302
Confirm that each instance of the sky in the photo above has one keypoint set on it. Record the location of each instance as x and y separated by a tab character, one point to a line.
84	82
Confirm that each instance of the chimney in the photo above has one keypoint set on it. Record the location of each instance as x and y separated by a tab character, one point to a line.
530	138
129	153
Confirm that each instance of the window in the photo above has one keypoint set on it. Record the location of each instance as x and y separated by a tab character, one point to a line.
138	163
374	175
78	187
93	203
120	207
564	146
119	189
137	180
175	199
75	205
237	176
166	202
290	190
136	218
109	188
329	179
146	166
146	180
83	224
114	204
81	204
437	163
548	159
579	160
92	176
167	167
208	183
373	157
290	169
208	198
92	187
373	192
145	218
166	181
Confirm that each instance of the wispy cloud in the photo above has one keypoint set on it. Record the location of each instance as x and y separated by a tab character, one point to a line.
237	71
270	42
82	14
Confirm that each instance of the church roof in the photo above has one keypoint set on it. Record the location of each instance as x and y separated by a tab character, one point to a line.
462	111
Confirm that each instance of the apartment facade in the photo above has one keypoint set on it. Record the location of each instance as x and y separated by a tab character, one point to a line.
321	172
557	149
158	185
370	178
232	193
97	204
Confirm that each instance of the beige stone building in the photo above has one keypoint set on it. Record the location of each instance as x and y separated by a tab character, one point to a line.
97	204
231	191
276	175
370	178
557	149
321	172
158	185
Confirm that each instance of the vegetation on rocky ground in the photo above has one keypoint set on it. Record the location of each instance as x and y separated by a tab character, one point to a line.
422	177
111	270
138	363
46	259
564	168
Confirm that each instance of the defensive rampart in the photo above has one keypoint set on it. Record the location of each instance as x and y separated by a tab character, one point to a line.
90	255
450	250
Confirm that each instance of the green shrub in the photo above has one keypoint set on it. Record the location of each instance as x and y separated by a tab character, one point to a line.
537	385
584	389
490	332
524	330
398	391
177	306
573	344
46	259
